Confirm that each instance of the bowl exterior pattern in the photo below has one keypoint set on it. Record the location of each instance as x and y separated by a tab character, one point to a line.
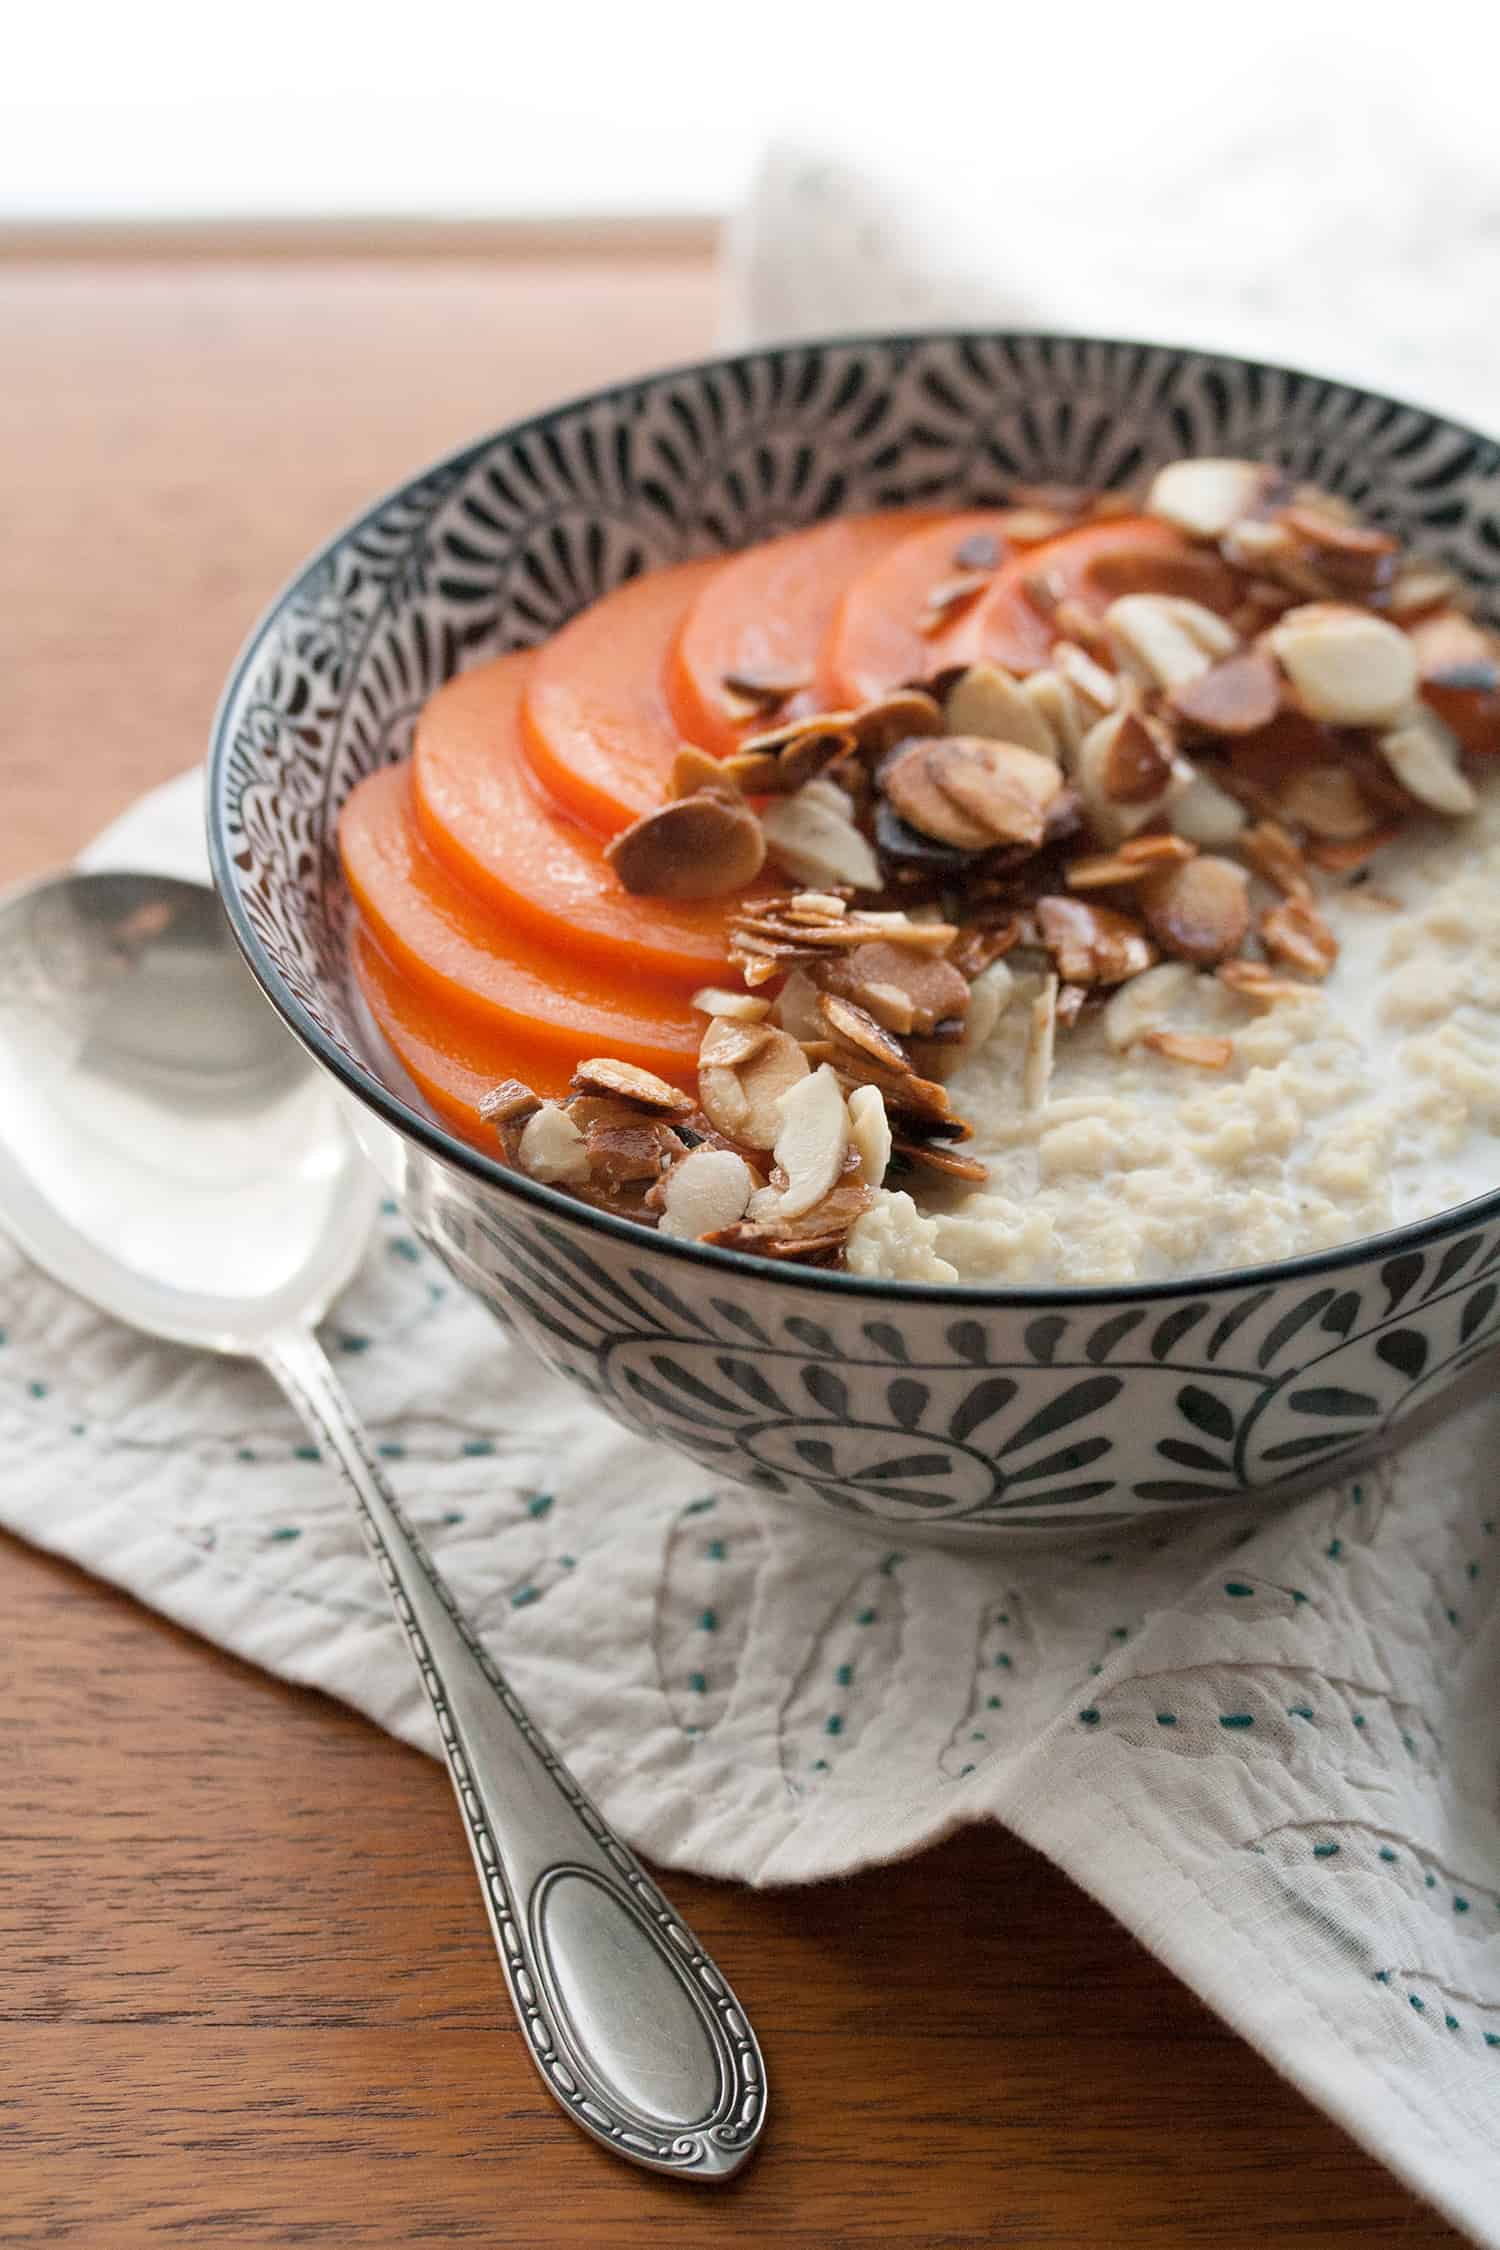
891	1404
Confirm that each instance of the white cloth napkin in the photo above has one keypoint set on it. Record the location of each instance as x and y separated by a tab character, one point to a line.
1270	1749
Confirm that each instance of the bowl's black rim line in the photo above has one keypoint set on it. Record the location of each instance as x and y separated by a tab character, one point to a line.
411	1125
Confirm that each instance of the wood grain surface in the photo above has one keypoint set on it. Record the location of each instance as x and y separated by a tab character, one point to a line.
246	1997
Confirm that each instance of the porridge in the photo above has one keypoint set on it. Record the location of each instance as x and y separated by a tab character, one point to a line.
1081	890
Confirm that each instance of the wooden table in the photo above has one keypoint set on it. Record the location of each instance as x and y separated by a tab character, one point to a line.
245	1992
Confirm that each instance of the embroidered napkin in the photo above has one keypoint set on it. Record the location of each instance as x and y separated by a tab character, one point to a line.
1269	1747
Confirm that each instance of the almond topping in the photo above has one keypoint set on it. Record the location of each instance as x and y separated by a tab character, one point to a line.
1132	863
1254	982
1205	814
965	791
870	1132
1423	754
1234	697
1419	587
552	1148
812	1139
943	1160
1135	767
694	770
603	1075
766	684
508	1103
893	983
707	1189
1206	1052
741	1097
1041	1046
813	837
1206	497
1199	912
696	847
856	1028
1092	944
1347	666
1296	932
742	1007
1327	801
1274	854
1166	640
894	718
1140	1005
986	701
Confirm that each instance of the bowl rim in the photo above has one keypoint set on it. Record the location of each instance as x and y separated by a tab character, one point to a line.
361	1080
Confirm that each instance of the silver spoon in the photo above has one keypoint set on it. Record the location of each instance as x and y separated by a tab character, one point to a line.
167	1151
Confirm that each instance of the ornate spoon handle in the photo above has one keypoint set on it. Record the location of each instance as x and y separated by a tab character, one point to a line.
631	2026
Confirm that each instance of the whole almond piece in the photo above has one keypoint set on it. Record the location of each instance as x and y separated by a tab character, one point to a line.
700	846
1199	912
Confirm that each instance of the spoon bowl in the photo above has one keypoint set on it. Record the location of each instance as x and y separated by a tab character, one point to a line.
168	1152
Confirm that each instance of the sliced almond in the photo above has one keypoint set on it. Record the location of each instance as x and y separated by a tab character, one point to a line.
1199	912
942	1160
694	770
1200	1048
1232	697
1327	801
699	846
989	996
812	1139
1357	851
769	683
1423	754
728	1042
1452	648
707	1189
508	1103
1418	588
972	793
812	835
1142	1004
604	1075
1258	984
1121	750
739	1007
855	1027
552	1148
1296	932
1347	666
1273	853
1205	814
986	701
903	990
898	717
741	1097
1096	689
1041	1046
1131	863
1136	766
1092	944
632	1153
870	1132
1205	497
797	1007
1168	641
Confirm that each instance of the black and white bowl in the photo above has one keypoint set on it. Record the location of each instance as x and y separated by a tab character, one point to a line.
970	1413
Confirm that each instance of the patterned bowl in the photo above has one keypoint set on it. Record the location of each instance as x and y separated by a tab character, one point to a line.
967	1414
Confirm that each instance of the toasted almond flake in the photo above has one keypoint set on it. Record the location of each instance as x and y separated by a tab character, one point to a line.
889	1005
1070	1004
707	1189
1029	527
1327	801
989	996
1419	587
1136	765
1423	754
1204	814
602	1074
740	1096
942	1160
986	701
1347	666
797	1007
509	1103
1092	944
1059	710
818	906
1233	697
903	990
1167	641
552	1148
1257	543
1041	1046
1273	853
812	1139
693	770
972	793
816	842
1080	629
1342	859
888	719
1120	749
740	1007
1257	984
1199	912
1142	1004
699	846
1206	497
1296	932
1095	689
1199	1048
870	1132
855	1027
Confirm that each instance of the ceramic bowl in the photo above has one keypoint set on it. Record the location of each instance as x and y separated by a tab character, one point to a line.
964	1413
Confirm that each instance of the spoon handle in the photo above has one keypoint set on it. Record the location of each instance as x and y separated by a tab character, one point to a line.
633	2029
